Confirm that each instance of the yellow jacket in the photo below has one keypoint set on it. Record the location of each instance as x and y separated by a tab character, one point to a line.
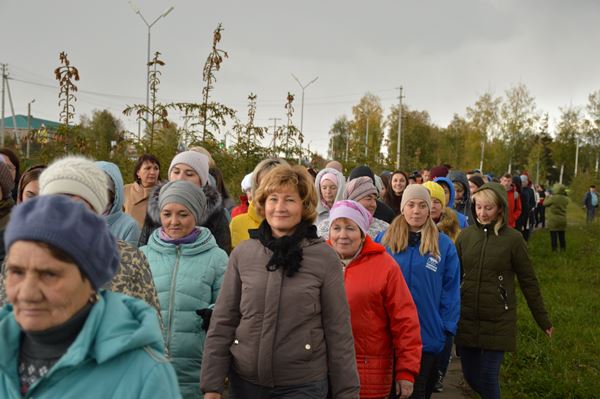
240	225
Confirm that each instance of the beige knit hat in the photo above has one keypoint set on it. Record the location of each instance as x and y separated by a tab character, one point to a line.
76	175
415	191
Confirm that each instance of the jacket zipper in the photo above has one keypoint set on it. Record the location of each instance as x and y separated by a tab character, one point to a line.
172	300
481	256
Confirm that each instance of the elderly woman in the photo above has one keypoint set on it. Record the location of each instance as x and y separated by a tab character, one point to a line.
384	318
492	254
330	188
145	175
187	267
363	191
431	269
61	336
281	326
192	166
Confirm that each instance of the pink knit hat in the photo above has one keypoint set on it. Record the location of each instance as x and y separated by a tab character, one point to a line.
351	210
331	177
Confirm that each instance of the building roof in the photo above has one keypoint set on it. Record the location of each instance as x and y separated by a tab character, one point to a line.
36	123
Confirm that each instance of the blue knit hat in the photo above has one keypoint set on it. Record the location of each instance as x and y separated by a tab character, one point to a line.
69	226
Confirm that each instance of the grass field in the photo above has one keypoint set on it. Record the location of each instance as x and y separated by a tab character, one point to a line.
568	364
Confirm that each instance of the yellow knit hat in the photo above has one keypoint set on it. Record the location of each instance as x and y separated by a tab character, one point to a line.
436	191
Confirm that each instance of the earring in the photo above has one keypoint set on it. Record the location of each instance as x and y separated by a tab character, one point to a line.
94	298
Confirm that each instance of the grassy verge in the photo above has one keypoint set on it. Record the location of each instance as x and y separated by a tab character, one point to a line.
568	364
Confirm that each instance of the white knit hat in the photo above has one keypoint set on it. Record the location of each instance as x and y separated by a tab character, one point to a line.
247	182
195	160
76	175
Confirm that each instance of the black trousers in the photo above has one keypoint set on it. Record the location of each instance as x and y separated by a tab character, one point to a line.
427	377
242	389
560	237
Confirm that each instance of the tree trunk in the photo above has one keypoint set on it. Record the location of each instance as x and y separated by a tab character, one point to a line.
562	169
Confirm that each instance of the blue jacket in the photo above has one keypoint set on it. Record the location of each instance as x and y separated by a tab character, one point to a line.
462	219
187	277
121	224
435	288
117	354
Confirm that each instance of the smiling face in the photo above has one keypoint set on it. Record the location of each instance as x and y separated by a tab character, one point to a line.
328	191
398	183
283	210
177	221
44	291
416	213
185	172
369	202
345	237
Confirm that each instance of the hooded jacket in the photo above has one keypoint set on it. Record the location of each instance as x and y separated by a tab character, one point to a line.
119	353
462	219
384	319
490	263
464	206
556	206
122	225
188	277
322	210
435	287
240	225
214	218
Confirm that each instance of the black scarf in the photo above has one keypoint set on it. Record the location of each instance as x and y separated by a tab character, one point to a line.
414	238
287	252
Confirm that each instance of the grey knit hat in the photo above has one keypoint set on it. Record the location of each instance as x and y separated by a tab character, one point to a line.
195	160
415	191
76	175
359	188
184	193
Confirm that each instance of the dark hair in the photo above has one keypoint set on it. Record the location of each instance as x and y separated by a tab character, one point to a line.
390	198
221	188
593	186
31	174
144	158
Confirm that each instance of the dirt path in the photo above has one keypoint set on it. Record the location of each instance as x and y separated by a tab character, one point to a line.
454	385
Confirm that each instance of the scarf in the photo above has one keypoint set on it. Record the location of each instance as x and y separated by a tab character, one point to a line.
414	238
190	238
287	252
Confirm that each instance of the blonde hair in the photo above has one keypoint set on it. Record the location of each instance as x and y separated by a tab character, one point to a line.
286	176
261	169
488	195
396	236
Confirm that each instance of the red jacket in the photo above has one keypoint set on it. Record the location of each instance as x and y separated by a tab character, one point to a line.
384	321
514	207
241	208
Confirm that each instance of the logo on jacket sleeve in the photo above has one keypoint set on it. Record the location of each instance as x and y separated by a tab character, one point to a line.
432	263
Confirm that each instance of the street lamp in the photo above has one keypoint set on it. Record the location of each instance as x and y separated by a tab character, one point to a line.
302	109
28	126
163	15
367	133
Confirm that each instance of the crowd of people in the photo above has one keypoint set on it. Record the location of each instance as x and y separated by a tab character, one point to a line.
314	285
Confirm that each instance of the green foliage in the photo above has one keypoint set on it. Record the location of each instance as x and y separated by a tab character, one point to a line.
565	366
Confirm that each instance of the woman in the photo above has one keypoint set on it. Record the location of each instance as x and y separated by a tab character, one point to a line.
63	337
6	199
145	175
192	166
445	219
491	255
281	326
462	202
361	190
29	186
14	165
393	196
330	188
430	267
449	195
187	267
557	216
385	325
228	202
242	224
540	211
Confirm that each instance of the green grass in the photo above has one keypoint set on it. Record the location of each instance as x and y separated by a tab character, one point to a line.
568	364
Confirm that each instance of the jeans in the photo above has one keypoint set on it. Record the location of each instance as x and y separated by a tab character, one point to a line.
242	389
444	359
481	369
591	212
558	236
427	377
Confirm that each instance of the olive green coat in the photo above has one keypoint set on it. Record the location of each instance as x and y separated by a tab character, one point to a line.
490	263
556	208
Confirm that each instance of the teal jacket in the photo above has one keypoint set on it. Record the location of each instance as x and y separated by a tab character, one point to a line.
187	277
117	354
121	224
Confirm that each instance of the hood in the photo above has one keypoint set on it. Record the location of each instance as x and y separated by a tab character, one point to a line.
448	183
461	177
559	189
116	324
205	241
341	186
115	174
213	203
500	192
363	170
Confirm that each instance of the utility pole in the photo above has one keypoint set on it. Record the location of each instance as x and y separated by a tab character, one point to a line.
366	113
576	154
28	126
400	97
2	120
302	109
274	131
347	143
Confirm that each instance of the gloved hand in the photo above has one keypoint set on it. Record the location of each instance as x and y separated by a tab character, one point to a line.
205	314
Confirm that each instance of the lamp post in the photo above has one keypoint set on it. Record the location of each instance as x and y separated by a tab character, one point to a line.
28	126
367	133
302	109
149	26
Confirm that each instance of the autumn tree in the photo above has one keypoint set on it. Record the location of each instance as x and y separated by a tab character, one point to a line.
484	117
339	136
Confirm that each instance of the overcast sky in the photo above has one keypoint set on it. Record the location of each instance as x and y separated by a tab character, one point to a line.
444	53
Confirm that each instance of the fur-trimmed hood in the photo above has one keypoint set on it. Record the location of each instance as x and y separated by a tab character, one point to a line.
214	203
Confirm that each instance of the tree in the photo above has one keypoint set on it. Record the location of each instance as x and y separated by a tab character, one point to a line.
419	139
366	149
339	136
568	132
593	136
517	121
103	130
65	74
484	116
458	144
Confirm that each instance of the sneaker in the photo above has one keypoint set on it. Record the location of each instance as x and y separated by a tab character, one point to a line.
439	385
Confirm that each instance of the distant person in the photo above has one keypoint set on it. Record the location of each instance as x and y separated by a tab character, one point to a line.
426	174
556	204
590	203
383	211
245	198
146	175
335	165
393	196
7	202
540	211
525	221
475	181
14	165
514	199
330	188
